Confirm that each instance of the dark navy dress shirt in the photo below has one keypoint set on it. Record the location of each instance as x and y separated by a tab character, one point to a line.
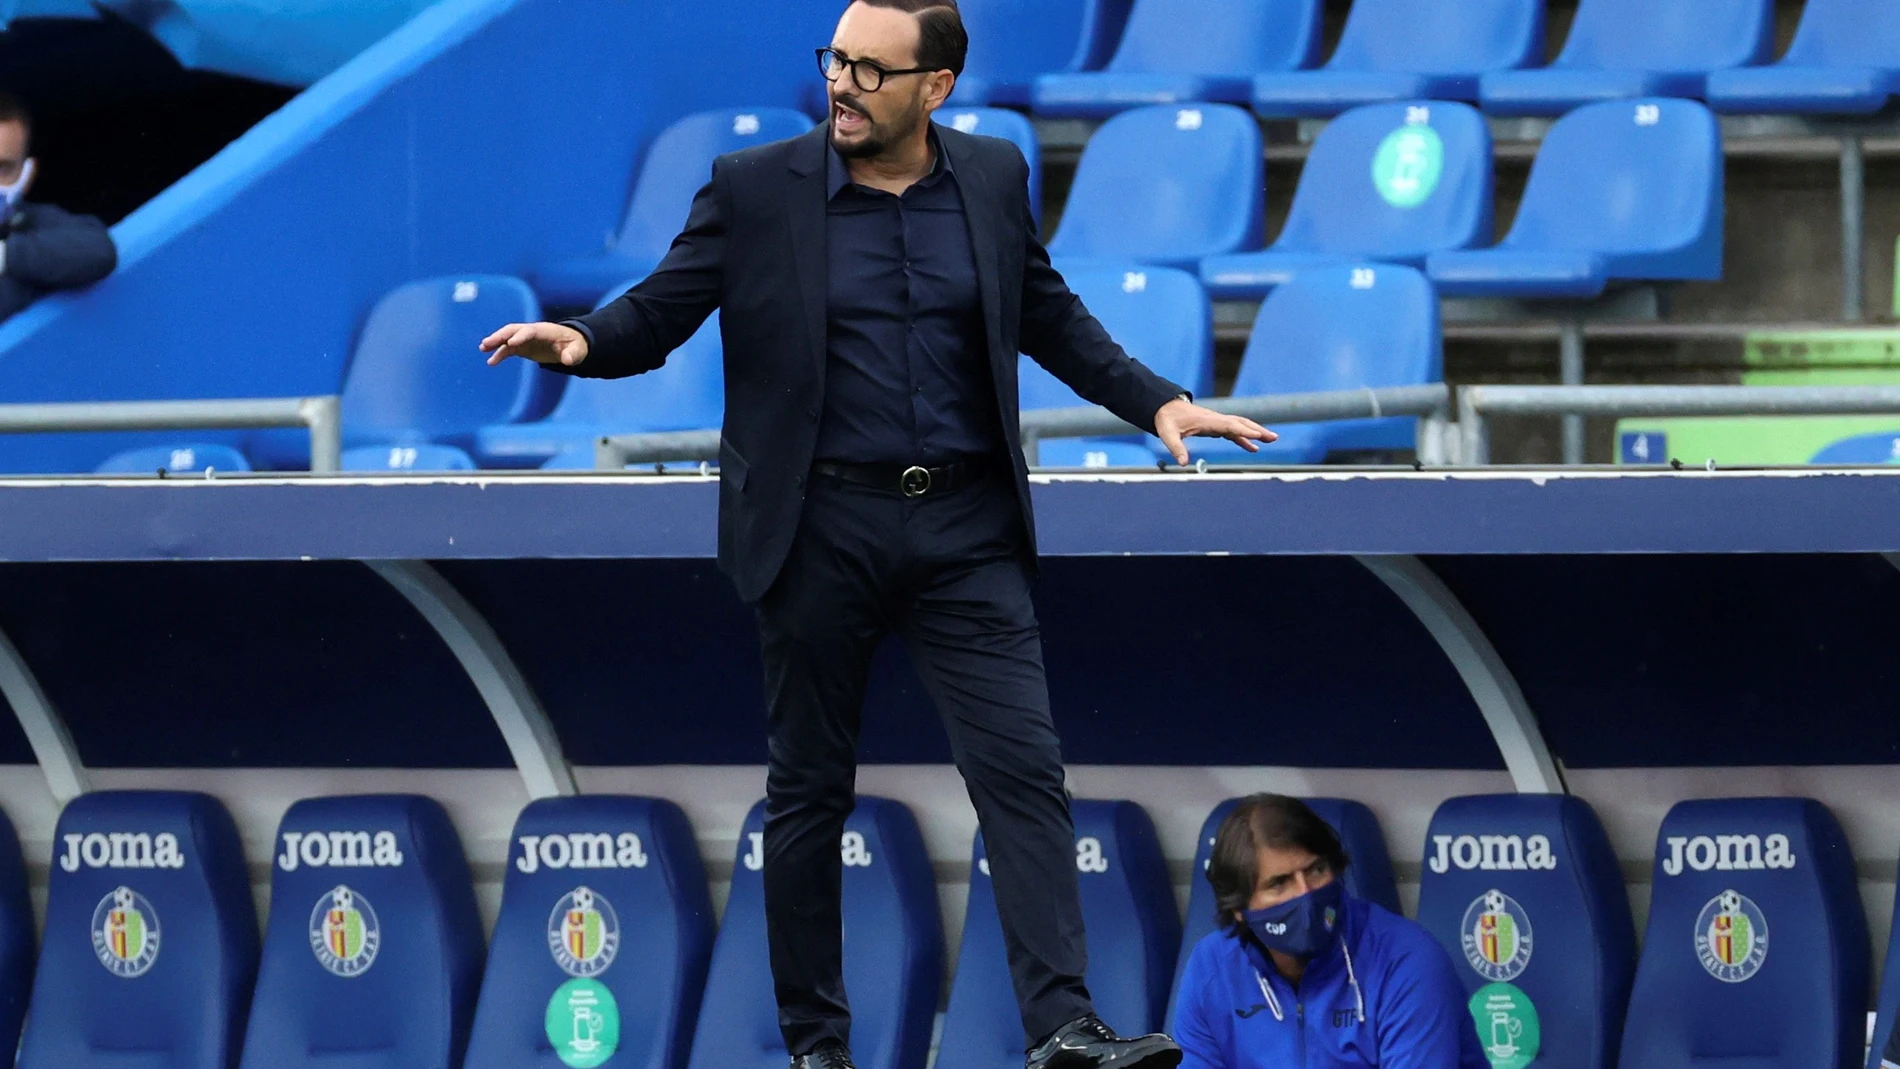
907	379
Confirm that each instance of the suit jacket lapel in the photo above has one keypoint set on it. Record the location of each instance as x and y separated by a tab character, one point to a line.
979	213
807	219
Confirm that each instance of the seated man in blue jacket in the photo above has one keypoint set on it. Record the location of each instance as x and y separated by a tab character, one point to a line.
41	247
1302	975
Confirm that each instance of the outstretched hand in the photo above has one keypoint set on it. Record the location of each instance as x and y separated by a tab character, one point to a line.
543	343
1179	419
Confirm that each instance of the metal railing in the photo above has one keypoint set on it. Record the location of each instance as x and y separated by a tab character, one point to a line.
1475	403
319	414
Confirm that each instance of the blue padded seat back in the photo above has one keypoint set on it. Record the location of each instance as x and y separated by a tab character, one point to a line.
1011	126
1525	889
893	949
1669	35
1847	33
1756	951
608	889
418	457
686	393
680	161
1167	184
1340	209
1440	36
1880	448
180	458
1637	180
412	379
1134	934
1161	316
374	948
1342	328
1235	37
151	936
1013	41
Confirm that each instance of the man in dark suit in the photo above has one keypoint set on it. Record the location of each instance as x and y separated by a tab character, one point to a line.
876	280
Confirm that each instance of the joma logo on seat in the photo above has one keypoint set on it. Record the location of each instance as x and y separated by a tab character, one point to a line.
1726	853
1492	853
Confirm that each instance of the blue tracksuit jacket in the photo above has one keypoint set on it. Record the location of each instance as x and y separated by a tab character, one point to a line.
1235	1011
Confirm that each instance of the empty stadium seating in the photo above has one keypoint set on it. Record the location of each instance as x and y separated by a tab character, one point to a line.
893	949
1128	909
1845	60
1881	448
421	457
1386	182
1011	126
1711	987
1620	191
1182	50
374	949
1338	328
1368	875
183	458
1525	893
150	944
687	393
604	903
1166	185
677	164
1637	48
1012	42
1407	50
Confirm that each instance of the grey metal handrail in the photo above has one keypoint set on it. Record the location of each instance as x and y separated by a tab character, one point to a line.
320	414
1477	402
1432	401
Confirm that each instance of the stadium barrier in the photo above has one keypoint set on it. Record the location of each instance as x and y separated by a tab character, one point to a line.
321	415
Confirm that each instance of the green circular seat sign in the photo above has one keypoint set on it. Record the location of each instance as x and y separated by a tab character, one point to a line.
583	1023
1408	165
1507	1026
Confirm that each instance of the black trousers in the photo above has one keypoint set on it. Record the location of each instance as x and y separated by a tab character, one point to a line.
947	572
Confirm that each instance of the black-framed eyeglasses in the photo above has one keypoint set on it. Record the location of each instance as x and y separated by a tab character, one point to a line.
865	74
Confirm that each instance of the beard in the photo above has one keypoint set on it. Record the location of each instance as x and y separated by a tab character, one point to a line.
878	136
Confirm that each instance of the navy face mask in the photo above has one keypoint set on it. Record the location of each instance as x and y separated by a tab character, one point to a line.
1302	927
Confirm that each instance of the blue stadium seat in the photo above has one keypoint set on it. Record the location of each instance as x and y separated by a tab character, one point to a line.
1387	182
1128	909
374	948
1638	48
1166	185
1014	41
1175	51
183	458
422	457
1845	60
677	164
1712	989
1369	875
1879	448
151	936
893	949
687	393
1338	328
1162	318
1524	890
1620	191
1011	126
601	894
1409	50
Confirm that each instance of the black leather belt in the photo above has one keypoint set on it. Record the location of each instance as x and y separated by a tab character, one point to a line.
912	481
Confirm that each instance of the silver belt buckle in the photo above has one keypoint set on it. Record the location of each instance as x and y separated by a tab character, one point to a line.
915	482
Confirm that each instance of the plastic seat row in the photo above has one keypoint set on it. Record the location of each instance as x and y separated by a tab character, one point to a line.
1845	58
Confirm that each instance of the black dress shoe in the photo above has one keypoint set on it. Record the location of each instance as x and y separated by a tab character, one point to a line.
829	1054
1087	1043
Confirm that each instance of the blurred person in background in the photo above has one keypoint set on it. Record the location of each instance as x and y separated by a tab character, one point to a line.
1301	973
42	248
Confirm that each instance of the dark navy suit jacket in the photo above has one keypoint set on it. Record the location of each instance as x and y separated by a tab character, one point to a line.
754	247
50	249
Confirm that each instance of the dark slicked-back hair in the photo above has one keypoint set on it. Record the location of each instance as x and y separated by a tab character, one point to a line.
1274	821
12	110
944	43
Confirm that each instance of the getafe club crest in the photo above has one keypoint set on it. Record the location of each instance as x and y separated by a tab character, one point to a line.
1497	937
1731	937
583	932
125	933
344	934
